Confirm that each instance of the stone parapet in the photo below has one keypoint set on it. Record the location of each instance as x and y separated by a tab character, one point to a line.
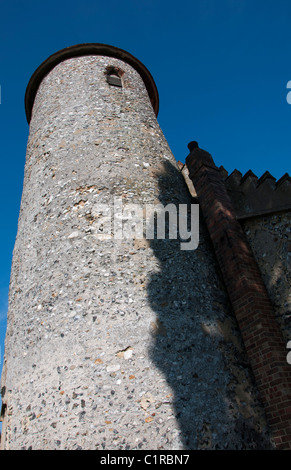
252	196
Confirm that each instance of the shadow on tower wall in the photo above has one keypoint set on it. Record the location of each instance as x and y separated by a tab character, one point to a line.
196	343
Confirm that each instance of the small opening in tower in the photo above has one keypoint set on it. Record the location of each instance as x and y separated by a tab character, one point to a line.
3	411
114	75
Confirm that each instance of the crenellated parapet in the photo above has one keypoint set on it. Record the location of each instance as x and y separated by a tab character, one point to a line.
252	196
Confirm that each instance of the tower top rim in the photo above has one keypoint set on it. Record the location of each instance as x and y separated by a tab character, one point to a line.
80	50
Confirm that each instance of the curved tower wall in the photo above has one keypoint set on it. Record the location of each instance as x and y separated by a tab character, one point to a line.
114	343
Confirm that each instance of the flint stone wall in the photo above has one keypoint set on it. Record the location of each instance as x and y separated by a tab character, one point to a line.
270	240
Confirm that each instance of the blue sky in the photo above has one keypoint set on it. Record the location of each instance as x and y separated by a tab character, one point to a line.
221	68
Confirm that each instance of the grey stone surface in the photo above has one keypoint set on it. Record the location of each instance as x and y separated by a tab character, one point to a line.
270	239
115	344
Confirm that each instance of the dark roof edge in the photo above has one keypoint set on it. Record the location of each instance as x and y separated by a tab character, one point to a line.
83	50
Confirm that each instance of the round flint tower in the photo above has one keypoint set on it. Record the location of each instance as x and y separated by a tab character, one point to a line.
113	342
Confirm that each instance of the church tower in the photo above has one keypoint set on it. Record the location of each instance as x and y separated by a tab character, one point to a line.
115	340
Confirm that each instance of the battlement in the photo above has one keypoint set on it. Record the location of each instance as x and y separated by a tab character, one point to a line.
253	196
